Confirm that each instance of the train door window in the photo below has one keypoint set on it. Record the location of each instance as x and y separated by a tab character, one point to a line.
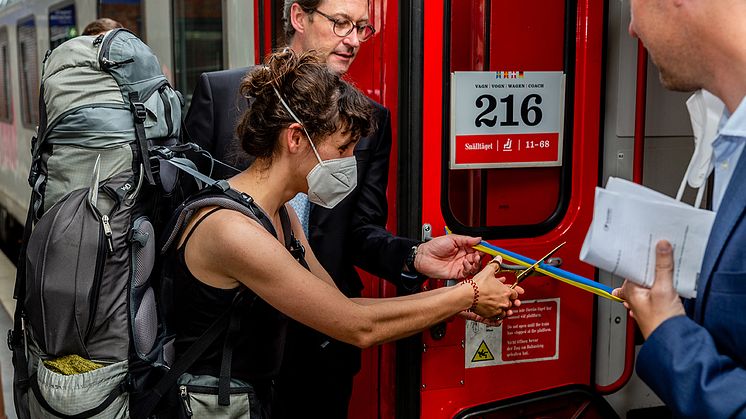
198	41
491	193
5	108
28	62
127	12
62	23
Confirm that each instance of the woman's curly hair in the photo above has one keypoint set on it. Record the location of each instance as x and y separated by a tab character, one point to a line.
322	101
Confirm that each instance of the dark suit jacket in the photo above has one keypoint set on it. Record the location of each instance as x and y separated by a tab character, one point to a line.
697	363
351	234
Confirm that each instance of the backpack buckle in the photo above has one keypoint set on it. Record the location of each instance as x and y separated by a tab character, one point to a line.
11	340
138	109
297	249
163	152
32	176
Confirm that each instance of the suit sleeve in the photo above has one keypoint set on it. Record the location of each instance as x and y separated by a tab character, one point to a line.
200	120
682	364
376	250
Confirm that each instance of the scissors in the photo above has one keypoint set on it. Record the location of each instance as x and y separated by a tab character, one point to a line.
524	273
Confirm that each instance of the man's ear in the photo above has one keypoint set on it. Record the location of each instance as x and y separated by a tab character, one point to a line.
297	18
293	138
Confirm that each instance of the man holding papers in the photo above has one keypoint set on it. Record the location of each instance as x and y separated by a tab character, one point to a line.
695	359
629	219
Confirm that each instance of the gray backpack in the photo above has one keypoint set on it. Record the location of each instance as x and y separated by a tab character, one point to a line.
89	329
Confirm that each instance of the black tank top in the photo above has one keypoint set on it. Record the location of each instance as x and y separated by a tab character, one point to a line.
259	345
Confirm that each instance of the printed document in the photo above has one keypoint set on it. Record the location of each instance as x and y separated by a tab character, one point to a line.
629	219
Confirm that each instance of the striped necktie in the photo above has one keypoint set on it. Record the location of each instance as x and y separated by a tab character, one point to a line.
302	207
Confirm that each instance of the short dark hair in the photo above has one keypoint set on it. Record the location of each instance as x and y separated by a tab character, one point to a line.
322	101
306	5
287	25
101	25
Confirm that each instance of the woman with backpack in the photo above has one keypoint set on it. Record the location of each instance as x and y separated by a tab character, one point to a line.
250	268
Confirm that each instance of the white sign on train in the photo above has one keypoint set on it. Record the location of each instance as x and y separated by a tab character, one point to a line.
506	119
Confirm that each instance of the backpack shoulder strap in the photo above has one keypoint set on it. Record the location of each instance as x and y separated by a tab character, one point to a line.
196	224
17	335
214	196
292	243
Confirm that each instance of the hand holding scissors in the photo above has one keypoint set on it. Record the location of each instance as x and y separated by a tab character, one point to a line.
525	273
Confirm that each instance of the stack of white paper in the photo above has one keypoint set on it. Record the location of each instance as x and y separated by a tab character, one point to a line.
628	221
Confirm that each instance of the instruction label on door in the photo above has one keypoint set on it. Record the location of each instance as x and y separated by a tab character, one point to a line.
530	334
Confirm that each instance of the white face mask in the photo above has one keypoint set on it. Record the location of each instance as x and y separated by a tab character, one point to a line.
705	111
330	181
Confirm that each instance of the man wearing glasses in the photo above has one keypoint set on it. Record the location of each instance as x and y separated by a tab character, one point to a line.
317	372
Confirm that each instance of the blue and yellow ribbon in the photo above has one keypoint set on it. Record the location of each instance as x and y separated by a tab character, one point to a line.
548	270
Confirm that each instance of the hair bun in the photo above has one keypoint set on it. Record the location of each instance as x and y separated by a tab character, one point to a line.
313	93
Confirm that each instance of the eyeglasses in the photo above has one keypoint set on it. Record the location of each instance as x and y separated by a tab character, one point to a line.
344	27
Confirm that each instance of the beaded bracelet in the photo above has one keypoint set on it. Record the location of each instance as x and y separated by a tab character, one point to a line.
476	292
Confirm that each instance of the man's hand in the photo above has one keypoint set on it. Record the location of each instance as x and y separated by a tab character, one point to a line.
449	256
651	307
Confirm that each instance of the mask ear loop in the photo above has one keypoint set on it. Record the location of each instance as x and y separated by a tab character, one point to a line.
287	108
682	188
700	194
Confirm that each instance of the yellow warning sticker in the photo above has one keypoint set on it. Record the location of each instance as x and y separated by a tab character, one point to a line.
483	353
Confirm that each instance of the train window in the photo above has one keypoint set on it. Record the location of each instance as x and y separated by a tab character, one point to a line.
127	12
28	63
198	41
486	193
61	23
5	114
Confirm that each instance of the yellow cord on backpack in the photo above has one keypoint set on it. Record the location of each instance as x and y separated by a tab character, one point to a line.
71	365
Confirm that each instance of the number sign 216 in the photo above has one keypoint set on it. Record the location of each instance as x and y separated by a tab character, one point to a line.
530	111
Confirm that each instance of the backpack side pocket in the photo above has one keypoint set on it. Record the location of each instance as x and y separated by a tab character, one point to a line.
199	398
64	261
73	394
143	309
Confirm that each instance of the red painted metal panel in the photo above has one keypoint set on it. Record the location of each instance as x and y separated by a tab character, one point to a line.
540	26
512	204
449	375
257	31
527	35
263	28
469	55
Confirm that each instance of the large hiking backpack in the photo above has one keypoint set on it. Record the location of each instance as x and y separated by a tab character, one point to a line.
87	301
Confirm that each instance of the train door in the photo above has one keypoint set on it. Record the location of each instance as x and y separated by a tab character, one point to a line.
510	152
